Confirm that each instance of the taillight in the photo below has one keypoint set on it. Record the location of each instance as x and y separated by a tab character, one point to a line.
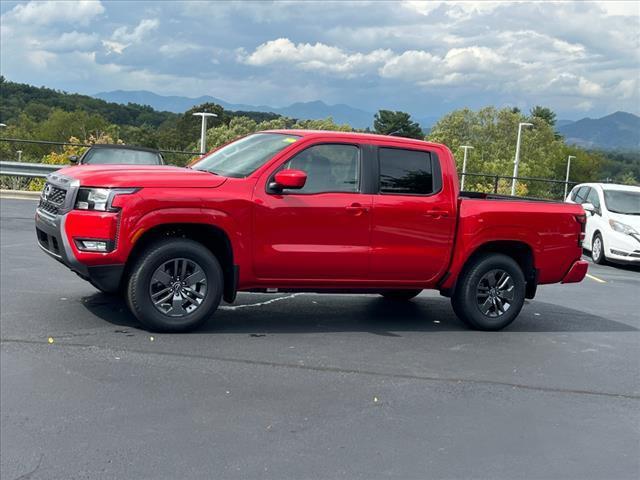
582	220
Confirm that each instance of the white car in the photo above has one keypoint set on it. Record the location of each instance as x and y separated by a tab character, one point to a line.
613	221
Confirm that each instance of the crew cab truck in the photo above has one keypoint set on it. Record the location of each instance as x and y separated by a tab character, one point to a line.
311	211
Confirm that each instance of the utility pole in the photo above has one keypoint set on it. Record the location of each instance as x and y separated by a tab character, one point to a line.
203	130
516	162
464	164
566	181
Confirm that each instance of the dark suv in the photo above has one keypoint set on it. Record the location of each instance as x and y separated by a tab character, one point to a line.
106	154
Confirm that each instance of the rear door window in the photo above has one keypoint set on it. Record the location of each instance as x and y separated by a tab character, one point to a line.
406	172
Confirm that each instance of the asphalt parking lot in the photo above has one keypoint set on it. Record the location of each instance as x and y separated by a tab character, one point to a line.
313	386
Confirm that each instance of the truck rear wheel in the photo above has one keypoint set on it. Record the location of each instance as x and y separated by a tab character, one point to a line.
490	292
400	295
175	286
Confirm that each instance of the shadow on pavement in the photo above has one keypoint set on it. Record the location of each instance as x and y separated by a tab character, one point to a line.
625	266
334	313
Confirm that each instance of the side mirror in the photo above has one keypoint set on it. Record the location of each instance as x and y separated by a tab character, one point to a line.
73	159
289	179
589	207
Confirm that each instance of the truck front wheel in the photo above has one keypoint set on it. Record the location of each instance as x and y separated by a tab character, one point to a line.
175	285
490	292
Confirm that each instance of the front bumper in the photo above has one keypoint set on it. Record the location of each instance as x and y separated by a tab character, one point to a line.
52	231
622	248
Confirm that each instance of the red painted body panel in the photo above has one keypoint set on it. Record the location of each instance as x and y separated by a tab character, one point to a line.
412	236
328	240
577	273
549	229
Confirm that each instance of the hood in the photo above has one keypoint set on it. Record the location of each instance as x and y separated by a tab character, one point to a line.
632	220
158	176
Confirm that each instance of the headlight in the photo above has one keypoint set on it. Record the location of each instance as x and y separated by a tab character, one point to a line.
99	198
622	228
93	199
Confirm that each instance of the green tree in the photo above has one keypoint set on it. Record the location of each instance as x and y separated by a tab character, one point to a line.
493	133
387	122
544	113
325	124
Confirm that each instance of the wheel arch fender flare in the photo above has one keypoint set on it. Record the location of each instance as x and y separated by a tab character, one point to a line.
516	247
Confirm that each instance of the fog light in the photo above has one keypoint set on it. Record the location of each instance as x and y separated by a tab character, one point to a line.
89	245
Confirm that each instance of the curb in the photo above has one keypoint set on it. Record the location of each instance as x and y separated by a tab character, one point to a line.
19	194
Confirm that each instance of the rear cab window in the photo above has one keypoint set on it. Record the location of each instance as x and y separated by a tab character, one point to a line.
408	172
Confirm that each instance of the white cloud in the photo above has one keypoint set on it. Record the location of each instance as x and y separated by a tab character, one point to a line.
622	8
570	84
114	47
175	49
48	12
454	9
124	37
137	34
40	59
316	57
70	41
427	56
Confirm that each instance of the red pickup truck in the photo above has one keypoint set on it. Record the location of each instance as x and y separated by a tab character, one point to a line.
312	211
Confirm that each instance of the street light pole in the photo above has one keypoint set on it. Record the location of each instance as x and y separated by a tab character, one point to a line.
464	164
516	162
566	181
203	130
19	152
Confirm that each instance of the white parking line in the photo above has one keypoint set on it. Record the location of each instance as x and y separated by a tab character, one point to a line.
599	280
273	300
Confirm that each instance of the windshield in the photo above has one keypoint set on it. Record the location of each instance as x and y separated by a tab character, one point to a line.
622	201
242	157
98	156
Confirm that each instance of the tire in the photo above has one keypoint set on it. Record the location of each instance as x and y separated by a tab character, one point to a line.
597	250
159	292
483	279
400	295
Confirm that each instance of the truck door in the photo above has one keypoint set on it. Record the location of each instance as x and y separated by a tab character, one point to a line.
414	218
320	231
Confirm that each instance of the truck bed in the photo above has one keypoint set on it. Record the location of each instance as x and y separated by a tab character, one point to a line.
496	196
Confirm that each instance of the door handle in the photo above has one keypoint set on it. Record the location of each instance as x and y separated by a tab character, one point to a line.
436	213
357	209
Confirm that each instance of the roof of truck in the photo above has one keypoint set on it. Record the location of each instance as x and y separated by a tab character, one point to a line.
351	135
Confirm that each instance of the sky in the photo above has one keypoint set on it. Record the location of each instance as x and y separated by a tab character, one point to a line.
427	58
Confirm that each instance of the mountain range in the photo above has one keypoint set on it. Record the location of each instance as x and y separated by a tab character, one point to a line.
315	110
617	131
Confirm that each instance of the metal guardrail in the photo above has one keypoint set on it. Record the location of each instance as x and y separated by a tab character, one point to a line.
25	169
47	142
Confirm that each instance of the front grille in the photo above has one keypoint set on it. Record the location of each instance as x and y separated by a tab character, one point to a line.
55	195
52	198
48	207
